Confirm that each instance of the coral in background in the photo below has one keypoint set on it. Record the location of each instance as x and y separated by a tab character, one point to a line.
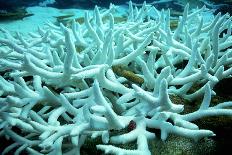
57	97
46	2
17	14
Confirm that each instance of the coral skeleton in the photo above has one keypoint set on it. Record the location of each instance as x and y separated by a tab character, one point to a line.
54	98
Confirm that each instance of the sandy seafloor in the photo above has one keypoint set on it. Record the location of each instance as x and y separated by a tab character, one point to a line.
43	15
40	17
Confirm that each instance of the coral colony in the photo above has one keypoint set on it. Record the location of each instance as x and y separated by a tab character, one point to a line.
99	78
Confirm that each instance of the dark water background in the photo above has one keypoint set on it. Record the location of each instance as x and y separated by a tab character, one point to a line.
223	6
11	4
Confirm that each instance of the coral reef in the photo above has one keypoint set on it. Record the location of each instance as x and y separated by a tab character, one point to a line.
53	97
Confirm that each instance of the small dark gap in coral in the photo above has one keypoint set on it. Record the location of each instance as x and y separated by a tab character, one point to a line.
157	132
28	78
181	65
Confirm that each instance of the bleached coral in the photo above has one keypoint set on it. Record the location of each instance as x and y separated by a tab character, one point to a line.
61	85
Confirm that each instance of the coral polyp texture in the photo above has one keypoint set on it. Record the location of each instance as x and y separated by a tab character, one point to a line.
102	78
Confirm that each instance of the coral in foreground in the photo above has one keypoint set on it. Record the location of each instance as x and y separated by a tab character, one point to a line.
63	84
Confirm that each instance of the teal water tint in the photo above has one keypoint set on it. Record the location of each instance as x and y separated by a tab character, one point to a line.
16	10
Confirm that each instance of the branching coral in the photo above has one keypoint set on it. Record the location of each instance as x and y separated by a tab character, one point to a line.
57	97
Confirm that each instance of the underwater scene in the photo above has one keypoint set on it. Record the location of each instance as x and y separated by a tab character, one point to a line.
118	77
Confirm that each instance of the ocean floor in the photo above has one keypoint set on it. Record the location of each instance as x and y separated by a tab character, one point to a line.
41	15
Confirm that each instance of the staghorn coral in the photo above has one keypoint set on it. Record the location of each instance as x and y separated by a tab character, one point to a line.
58	97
